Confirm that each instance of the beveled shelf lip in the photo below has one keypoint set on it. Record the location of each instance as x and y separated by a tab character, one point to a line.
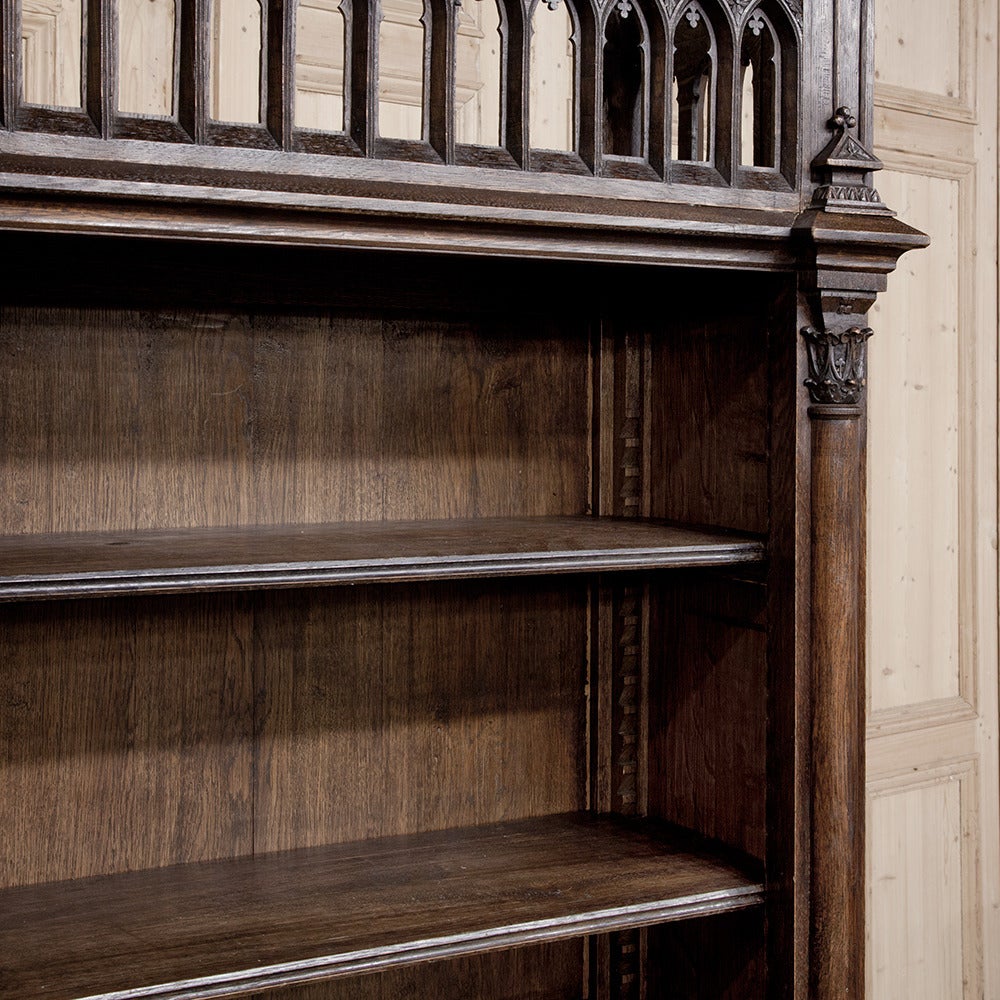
300	916
186	560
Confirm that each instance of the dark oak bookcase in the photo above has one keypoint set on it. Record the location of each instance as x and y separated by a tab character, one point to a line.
430	573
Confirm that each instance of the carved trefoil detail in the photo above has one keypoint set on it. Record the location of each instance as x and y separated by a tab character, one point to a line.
837	364
738	7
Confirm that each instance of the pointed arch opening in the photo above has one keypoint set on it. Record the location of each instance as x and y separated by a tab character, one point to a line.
236	55
626	81
51	53
552	75
694	87
321	32
479	73
402	69
760	110
147	31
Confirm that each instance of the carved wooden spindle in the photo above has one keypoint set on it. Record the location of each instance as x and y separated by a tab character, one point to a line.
363	81
441	79
279	82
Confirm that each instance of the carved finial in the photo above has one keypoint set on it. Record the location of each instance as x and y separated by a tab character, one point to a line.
837	365
843	119
844	166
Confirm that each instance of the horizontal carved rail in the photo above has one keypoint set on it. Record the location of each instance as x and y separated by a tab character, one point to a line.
695	91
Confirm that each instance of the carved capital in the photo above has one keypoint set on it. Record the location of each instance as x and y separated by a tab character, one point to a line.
837	365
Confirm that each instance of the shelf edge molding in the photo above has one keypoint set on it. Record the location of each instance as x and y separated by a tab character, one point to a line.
205	559
453	946
225	928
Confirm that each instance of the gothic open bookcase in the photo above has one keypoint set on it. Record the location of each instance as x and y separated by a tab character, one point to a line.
433	567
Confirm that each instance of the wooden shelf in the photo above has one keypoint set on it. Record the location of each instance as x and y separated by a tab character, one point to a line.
199	559
216	929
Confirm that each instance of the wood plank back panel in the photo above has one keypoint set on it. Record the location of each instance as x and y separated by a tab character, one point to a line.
125	735
707	707
121	419
710	408
372	417
386	710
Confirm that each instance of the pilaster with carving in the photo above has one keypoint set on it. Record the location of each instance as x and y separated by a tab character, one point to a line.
849	242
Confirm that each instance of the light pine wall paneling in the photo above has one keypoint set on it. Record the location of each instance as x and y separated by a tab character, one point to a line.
925	56
922	863
922	129
50	50
146	37
919	399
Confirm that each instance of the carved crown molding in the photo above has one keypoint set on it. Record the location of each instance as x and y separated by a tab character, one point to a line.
837	365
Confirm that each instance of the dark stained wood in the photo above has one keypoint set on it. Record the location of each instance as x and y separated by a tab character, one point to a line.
92	564
788	735
125	737
199	417
550	971
619	672
439	93
484	156
247	404
229	134
385	710
707	709
515	42
279	43
717	958
363	98
192	68
128	126
837	968
588	84
35	118
10	61
100	85
596	152
710	413
219	929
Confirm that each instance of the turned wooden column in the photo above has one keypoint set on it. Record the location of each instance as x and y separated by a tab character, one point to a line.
837	932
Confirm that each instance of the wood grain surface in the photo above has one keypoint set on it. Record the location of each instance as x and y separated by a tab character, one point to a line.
391	709
218	929
126	735
100	563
